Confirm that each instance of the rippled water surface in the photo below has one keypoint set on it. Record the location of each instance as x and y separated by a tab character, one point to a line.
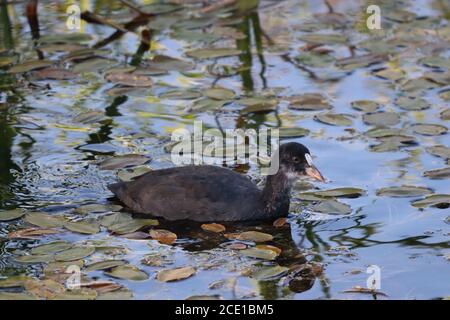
54	133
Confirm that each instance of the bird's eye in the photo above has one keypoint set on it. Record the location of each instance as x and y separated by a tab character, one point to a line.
295	159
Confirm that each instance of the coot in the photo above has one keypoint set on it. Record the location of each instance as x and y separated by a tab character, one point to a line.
208	193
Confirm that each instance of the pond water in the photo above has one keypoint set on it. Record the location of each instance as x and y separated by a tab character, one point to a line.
375	104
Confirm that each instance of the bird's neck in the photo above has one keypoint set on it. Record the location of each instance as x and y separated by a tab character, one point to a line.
276	194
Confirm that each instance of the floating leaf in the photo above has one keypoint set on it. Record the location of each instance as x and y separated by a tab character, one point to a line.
380	132
163	236
44	220
74	253
390	74
445	115
332	207
333	119
11	214
219	94
443	173
212	53
44	289
34	258
89	117
293	132
53	74
365	105
167	63
348	192
403	191
83	227
439	151
132	225
257	105
51	247
29	66
92	65
31	233
4	295
124	161
129	174
206	104
436	62
102	265
412	103
181	94
381	118
280	222
115	219
77	294
324	38
360	61
128	272
254	236
309	102
97	208
123	294
14	281
213	227
175	274
71	37
129	79
263	254
270	273
429	129
314	59
441	201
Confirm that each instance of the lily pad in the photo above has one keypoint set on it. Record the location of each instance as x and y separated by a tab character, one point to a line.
263	254
181	94
34	258
213	227
175	274
128	272
212	53
429	129
97	208
445	115
436	62
93	65
324	38
219	94
332	207
390	74
167	63
29	66
31	233
309	102
293	132
129	79
124	161
412	103
132	225
439	151
207	104
403	191
270	273
333	119
74	253
441	201
381	118
163	236
11	214
51	247
443	173
348	192
365	105
44	220
254	236
83	227
53	74
44	289
103	265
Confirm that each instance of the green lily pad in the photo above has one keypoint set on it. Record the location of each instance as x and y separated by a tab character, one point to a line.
102	265
97	208
263	254
74	253
167	63
115	218
207	104
381	118
83	227
293	132
4	295
316	60
29	66
441	201
403	191
257	105
11	214
66	38
124	161
128	272
180	94
348	192
44	220
418	85
270	273
439	151
412	103
77	294
332	207
93	65
132	225
129	174
380	132
333	119
51	247
442	173
212	53
390	74
435	62
324	38
365	105
360	61
34	258
429	129
14	281
219	94
445	115
122	294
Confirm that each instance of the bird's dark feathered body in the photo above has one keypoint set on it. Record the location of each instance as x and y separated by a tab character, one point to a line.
200	193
